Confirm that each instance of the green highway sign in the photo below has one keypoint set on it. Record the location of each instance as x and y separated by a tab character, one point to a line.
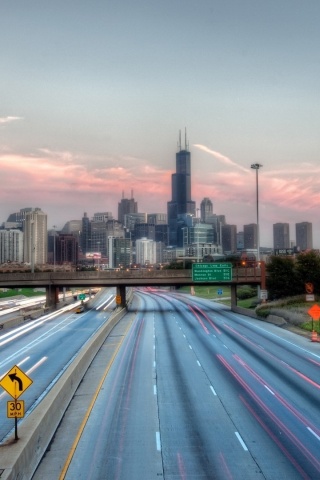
211	272
82	296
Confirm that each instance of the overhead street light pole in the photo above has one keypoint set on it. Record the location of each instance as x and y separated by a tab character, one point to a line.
256	167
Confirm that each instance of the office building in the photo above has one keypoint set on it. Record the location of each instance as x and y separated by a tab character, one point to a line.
130	220
281	235
119	252
66	249
35	237
19	217
229	238
240	241
304	240
126	206
146	252
11	246
206	209
102	216
199	233
157	218
181	203
250	236
85	234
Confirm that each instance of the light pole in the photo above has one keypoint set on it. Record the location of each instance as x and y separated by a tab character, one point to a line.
256	167
98	243
54	248
32	246
198	243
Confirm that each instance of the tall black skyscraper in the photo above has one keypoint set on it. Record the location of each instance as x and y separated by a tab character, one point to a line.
181	204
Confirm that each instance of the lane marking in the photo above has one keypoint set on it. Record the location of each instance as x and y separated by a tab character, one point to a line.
269	389
198	363
154	389
158	442
313	433
213	390
244	446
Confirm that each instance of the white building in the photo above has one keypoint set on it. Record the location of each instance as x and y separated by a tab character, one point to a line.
11	246
146	251
35	237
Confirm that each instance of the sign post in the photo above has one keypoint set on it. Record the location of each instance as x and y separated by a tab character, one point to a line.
15	382
314	313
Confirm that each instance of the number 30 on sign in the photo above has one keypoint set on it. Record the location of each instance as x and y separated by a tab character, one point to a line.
15	409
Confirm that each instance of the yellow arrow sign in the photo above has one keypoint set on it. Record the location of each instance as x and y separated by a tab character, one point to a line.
15	382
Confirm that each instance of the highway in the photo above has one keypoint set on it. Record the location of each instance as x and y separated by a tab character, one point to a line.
185	389
43	348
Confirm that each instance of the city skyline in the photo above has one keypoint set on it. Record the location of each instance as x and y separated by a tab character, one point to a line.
93	99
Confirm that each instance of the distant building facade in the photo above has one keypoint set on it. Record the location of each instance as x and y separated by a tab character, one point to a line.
229	238
281	235
119	252
304	240
250	236
35	237
126	206
11	246
206	209
146	252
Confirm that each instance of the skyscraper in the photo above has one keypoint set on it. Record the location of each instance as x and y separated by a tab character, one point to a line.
304	236
281	236
250	236
127	205
181	203
229	238
11	246
206	209
35	237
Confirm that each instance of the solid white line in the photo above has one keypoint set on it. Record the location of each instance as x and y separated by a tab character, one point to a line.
36	365
213	390
158	442
313	433
244	446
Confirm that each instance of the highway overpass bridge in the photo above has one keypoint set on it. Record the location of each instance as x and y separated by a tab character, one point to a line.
54	281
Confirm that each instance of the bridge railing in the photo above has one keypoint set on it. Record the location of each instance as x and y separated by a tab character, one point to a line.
238	274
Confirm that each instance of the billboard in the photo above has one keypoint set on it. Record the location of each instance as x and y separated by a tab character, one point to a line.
93	255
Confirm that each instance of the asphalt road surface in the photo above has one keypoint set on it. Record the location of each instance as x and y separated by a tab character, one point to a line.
186	389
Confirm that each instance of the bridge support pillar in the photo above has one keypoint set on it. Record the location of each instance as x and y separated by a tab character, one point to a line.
52	296
121	296
233	295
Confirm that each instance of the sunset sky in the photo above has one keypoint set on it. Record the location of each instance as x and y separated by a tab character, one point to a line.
94	93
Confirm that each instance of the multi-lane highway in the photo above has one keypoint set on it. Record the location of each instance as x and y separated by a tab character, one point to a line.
43	348
186	389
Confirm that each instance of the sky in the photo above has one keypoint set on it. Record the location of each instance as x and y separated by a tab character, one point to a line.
93	95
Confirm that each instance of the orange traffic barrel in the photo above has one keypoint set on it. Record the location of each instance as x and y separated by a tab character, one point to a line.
314	336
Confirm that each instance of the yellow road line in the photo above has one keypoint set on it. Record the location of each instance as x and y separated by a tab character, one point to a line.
87	415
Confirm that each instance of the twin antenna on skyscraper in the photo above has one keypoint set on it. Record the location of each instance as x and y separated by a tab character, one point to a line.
131	194
186	144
